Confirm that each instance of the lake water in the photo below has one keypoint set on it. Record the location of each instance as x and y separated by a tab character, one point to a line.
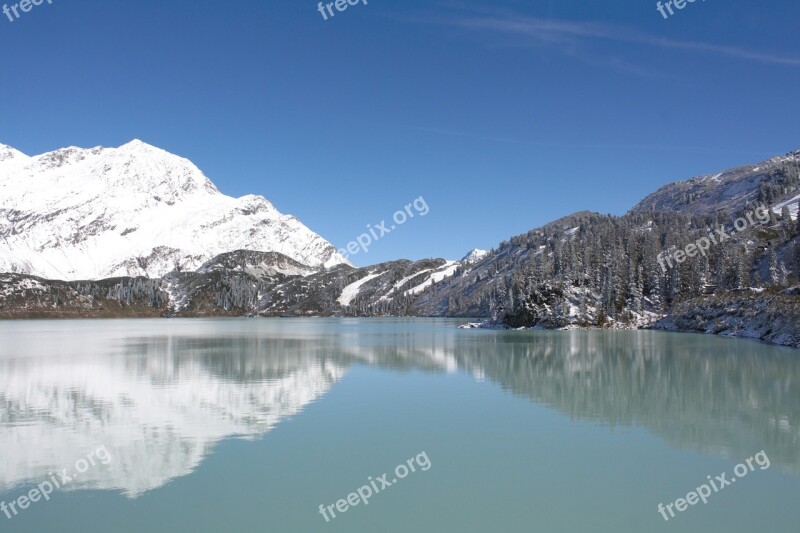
253	424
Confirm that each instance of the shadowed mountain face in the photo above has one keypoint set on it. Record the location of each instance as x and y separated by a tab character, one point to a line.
234	284
161	394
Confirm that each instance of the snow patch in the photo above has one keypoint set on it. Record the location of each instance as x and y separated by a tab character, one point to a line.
351	291
448	270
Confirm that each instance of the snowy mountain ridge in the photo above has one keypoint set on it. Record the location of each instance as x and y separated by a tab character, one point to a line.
765	183
135	210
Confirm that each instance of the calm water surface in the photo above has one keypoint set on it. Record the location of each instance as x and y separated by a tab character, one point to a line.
251	425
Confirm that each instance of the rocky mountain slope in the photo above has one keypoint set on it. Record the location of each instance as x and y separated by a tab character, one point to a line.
235	284
595	270
772	182
771	316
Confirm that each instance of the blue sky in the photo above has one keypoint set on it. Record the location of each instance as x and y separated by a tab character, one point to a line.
503	115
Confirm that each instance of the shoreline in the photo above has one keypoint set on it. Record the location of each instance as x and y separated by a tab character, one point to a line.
668	324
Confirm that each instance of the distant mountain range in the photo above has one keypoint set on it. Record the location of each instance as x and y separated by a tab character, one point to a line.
135	231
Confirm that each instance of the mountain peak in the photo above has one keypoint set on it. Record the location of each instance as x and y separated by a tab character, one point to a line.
138	144
138	147
9	152
474	256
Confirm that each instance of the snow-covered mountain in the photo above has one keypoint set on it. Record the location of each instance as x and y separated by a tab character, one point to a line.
135	210
767	183
474	256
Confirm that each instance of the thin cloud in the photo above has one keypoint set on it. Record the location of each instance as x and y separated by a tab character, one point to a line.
564	32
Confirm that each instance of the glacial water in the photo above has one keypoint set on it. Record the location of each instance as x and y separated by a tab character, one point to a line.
241	425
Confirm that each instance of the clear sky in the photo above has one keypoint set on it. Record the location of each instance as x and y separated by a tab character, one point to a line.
503	115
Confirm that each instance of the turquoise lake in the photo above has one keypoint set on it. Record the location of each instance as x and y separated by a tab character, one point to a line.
240	425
